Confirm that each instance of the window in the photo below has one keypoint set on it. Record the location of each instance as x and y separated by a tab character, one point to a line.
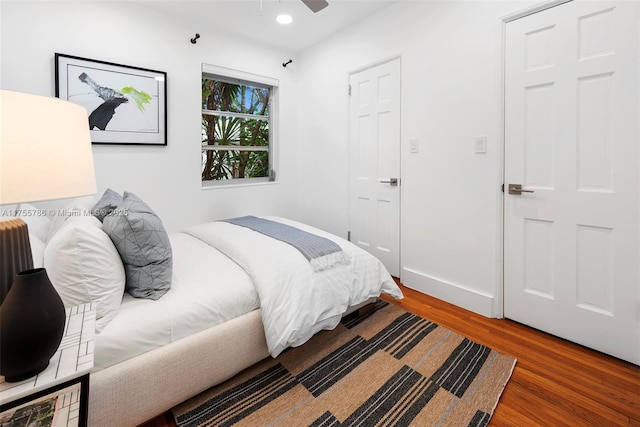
237	127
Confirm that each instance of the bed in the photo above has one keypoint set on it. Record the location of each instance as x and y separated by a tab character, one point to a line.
236	297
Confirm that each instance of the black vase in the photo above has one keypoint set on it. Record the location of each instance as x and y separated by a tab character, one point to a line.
32	319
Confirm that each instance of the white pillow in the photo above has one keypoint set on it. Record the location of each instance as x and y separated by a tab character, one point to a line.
37	222
84	265
37	250
80	206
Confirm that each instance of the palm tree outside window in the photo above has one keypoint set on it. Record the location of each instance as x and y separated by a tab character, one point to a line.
236	130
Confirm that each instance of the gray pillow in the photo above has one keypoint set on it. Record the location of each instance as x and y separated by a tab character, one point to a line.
107	203
143	245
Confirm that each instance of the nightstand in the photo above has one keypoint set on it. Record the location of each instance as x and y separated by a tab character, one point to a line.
64	384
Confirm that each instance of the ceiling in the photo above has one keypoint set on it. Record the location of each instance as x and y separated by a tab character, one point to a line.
256	19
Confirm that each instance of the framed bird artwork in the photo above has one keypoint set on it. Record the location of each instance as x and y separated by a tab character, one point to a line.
125	104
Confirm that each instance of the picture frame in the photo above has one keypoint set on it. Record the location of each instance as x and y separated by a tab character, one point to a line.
125	105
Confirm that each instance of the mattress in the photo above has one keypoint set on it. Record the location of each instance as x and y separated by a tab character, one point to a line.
207	289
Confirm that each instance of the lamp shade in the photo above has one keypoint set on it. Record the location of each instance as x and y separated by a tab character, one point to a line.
45	149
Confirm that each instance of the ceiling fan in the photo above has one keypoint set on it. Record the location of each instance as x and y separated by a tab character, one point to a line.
316	5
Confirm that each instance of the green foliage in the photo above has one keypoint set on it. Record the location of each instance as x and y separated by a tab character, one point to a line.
222	129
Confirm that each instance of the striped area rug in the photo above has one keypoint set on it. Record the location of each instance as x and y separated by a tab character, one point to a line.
387	368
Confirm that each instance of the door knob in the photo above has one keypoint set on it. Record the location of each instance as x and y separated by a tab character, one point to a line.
392	181
517	189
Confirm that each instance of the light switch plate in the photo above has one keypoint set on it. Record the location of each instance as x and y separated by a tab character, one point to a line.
481	144
414	145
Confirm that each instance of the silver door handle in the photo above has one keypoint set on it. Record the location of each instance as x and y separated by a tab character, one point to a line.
392	181
517	189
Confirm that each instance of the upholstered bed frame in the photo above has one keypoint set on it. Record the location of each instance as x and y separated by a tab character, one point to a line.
136	390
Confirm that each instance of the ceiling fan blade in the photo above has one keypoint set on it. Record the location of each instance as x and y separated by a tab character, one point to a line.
316	5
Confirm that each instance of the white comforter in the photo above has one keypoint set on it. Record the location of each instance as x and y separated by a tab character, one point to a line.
295	301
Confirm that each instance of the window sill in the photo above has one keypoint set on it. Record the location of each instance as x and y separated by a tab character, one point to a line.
213	186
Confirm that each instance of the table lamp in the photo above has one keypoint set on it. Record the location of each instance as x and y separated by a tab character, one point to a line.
45	154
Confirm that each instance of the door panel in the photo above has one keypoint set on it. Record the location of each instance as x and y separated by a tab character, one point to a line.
374	156
571	247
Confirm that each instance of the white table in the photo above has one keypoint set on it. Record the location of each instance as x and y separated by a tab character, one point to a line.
67	375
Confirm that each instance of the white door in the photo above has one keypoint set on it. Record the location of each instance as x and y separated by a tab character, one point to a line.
374	160
571	251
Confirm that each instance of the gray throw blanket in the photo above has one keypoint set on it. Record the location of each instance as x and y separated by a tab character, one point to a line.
322	253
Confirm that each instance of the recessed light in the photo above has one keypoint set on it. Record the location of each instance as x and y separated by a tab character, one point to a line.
284	19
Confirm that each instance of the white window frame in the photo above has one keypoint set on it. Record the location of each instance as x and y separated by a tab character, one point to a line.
229	75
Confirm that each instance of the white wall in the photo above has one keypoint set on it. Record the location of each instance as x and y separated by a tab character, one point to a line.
450	53
167	178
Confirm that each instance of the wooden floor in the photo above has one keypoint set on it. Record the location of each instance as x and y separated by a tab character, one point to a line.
554	383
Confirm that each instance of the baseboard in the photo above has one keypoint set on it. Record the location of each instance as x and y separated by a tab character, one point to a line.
462	297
